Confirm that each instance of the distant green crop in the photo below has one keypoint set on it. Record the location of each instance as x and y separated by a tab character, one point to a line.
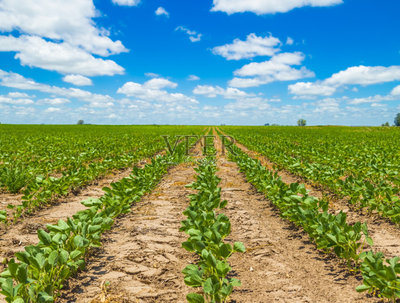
361	164
48	162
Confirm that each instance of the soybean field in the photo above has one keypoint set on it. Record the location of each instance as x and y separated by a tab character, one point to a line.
197	214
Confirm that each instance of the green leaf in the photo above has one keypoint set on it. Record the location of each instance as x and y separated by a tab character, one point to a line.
8	288
208	286
362	288
94	228
78	241
53	258
223	268
64	256
195	298
44	237
225	250
235	282
45	298
75	254
239	247
22	273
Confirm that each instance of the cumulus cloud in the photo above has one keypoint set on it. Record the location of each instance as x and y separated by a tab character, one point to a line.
78	80
70	21
371	99
252	47
159	83
278	68
396	91
193	78
52	110
53	101
126	2
152	75
260	7
356	75
213	91
311	89
365	75
14	80
289	41
193	35
160	11
154	90
58	35
330	105
12	101
18	95
61	57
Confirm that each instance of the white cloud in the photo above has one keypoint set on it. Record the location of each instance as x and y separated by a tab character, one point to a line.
14	80
70	21
252	47
289	41
278	68
52	110
126	2
78	80
60	57
161	11
365	75
53	101
17	95
159	83
356	75
371	99
152	91
213	91
311	89
396	91
247	107
152	75
193	78
11	101
267	6
193	35
330	105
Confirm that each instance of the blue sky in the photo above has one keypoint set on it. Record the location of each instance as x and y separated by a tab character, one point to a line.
244	62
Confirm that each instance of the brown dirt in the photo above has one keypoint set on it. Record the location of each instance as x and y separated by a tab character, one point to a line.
384	233
280	265
8	198
142	257
104	180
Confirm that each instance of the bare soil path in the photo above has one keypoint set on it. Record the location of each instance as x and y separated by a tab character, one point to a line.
280	264
142	258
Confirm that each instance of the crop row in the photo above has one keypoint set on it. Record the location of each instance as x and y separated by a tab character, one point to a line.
122	151
41	270
331	233
207	230
364	167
